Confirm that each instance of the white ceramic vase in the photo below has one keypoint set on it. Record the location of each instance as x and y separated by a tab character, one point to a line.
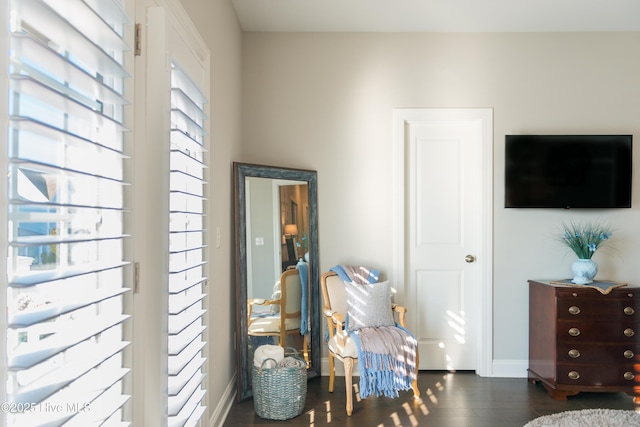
584	270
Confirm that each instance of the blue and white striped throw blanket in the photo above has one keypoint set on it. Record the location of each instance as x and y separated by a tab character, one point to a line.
386	354
387	360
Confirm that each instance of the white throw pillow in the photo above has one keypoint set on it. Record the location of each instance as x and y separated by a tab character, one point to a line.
369	305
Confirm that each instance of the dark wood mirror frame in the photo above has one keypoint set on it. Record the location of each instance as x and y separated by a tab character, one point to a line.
240	172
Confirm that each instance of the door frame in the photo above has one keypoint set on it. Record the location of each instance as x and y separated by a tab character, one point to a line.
277	215
402	117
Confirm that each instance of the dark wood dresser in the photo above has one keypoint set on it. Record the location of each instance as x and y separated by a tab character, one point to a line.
583	340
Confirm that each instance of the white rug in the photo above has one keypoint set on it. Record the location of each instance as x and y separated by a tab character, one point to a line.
588	418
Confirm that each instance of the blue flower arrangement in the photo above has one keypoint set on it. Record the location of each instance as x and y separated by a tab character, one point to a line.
585	238
305	242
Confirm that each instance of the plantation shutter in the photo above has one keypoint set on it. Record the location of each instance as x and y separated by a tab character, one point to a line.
186	245
65	266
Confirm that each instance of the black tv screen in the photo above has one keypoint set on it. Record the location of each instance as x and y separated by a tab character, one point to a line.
568	171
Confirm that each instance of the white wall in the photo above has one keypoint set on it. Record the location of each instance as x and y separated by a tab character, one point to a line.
217	23
325	101
261	267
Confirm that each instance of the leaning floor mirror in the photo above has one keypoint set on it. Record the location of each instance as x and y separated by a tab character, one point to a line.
276	245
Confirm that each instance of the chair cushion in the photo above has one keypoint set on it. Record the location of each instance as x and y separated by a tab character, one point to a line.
272	324
369	305
348	350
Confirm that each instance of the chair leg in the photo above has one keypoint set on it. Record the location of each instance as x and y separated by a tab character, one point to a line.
305	349
332	372
414	383
348	379
282	339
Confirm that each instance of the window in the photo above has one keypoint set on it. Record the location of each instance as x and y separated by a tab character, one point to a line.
186	247
170	232
65	257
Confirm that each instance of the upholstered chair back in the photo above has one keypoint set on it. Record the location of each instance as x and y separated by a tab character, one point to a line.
336	294
291	292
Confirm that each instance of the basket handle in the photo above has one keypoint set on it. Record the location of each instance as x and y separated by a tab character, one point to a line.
291	350
265	361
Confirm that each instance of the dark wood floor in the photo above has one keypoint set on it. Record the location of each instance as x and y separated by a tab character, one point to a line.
460	399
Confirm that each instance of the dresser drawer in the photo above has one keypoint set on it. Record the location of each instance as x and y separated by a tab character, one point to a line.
585	331
599	309
598	353
588	293
598	375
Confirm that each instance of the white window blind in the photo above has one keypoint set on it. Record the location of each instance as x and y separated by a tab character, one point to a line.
65	268
187	257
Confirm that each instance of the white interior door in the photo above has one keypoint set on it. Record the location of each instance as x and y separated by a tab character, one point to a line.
444	238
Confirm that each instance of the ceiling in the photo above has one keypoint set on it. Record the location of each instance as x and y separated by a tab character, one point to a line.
438	15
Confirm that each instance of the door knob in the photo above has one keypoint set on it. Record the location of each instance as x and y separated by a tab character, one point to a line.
469	258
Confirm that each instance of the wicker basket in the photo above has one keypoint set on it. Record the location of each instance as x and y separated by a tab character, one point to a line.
279	393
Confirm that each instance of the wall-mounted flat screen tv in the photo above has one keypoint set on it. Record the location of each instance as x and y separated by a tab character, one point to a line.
568	171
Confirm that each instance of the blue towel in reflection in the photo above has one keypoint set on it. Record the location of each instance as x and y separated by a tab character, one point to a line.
303	270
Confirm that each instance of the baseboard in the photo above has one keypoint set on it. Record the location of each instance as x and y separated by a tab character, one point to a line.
500	368
221	411
510	368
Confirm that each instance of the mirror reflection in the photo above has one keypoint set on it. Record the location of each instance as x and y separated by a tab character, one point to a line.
277	270
276	265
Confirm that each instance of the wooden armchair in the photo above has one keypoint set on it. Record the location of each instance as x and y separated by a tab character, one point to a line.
340	344
287	319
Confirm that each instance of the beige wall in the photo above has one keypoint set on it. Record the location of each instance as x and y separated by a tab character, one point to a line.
217	23
325	101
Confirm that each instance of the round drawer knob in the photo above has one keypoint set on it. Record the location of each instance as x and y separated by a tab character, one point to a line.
574	310
629	332
574	353
629	311
573	375
629	376
628	354
574	332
